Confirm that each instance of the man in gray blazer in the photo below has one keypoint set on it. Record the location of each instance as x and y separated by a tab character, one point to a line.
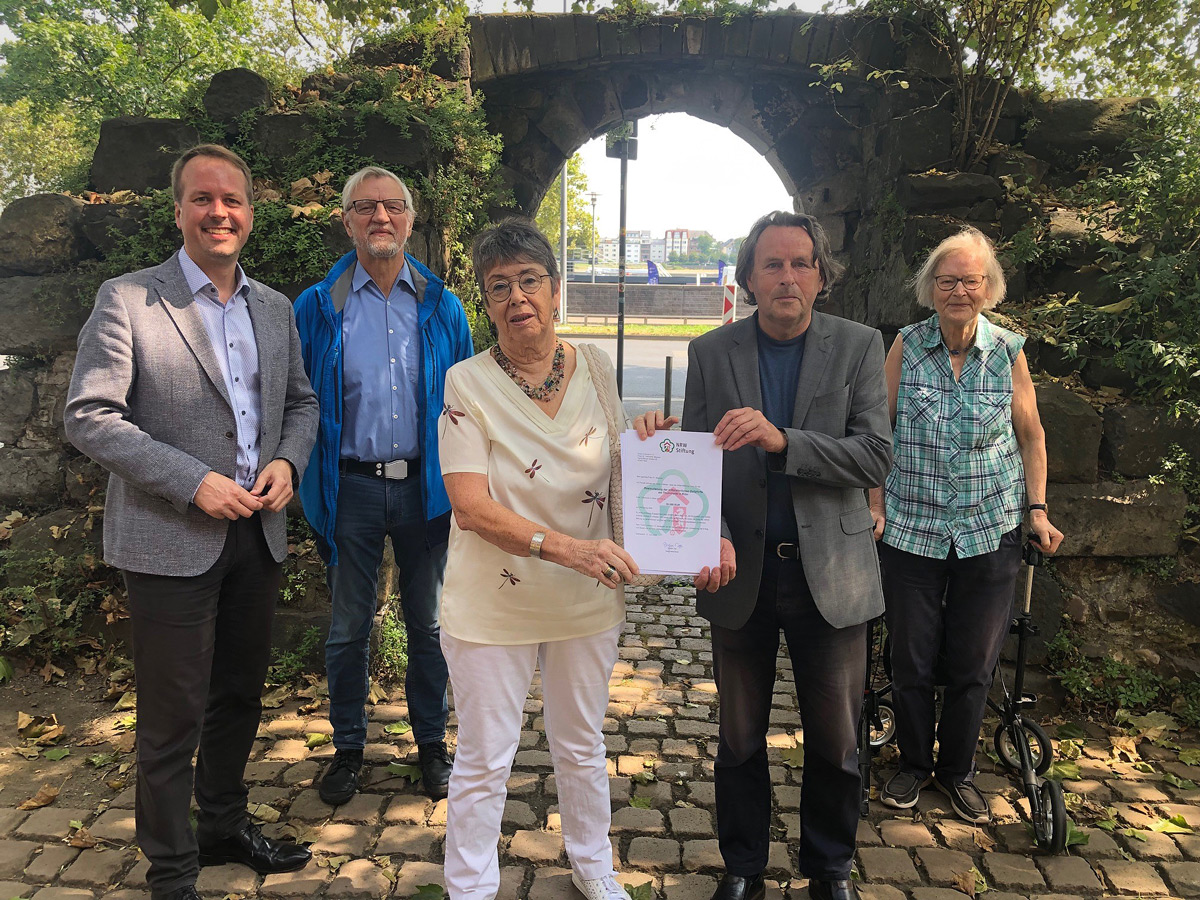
797	401
189	388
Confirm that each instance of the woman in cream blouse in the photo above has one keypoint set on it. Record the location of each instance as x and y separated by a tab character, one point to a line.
532	576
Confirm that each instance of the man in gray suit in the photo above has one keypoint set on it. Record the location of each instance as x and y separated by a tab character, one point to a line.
190	390
797	401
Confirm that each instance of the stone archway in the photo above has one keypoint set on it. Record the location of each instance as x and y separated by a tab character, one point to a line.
551	83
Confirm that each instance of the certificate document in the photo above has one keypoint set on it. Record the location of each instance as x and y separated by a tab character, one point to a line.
671	491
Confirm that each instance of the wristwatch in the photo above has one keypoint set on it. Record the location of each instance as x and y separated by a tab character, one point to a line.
535	544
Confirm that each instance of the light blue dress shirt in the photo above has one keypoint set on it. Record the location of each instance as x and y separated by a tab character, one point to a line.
232	336
380	367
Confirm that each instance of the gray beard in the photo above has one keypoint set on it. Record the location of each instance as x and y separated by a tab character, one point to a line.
379	251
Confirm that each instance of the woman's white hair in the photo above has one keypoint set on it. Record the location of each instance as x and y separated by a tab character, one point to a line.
970	239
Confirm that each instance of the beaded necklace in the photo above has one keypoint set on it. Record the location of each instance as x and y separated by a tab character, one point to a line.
546	389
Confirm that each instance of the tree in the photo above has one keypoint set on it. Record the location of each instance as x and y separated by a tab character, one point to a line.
71	65
579	209
1075	46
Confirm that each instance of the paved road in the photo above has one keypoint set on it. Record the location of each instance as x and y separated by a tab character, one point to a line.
645	364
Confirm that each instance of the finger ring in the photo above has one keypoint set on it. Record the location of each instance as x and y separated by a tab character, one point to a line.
611	571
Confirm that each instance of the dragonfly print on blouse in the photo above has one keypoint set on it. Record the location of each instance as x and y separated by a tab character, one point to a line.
591	433
596	499
508	578
533	469
451	415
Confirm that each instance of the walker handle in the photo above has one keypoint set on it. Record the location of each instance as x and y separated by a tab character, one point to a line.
1032	556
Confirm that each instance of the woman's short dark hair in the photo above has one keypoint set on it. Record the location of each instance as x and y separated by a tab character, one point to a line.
514	239
829	267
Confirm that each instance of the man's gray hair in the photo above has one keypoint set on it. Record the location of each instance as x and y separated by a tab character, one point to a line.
515	239
969	239
829	267
366	172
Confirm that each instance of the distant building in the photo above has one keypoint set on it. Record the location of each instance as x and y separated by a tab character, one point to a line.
655	250
693	241
609	251
677	241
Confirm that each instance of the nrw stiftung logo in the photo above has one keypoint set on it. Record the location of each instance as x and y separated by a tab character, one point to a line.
666	446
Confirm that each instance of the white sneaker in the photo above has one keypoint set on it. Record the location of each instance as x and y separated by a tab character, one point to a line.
606	888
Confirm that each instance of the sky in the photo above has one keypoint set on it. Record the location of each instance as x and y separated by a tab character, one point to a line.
689	173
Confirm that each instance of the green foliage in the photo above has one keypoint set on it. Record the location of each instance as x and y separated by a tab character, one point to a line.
1146	226
579	210
1103	686
390	660
50	596
290	666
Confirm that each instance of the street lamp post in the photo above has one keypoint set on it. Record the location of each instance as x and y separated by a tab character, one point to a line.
593	195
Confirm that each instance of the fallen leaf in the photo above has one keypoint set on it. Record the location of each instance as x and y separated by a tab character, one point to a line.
1184	784
1134	833
1190	756
44	797
1071	731
301	834
983	840
317	739
274	699
28	752
429	892
1063	770
56	753
83	839
103	760
644	777
6	670
32	727
1173	825
965	882
125	743
412	773
49	737
793	757
127	702
263	812
1124	746
398	728
333	863
127	723
640	802
376	694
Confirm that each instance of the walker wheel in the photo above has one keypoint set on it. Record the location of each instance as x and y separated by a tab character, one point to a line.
1040	747
1050	818
883	731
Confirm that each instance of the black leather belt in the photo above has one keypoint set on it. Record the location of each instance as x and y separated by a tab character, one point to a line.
787	551
395	470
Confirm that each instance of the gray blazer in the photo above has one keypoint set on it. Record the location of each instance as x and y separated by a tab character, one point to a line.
147	402
839	444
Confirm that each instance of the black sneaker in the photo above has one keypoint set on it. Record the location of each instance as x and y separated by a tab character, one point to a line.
340	780
436	763
902	790
968	803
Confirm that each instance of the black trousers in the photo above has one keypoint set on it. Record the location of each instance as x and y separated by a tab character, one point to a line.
965	606
201	646
830	668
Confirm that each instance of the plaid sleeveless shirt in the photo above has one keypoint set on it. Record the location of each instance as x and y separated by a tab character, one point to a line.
957	477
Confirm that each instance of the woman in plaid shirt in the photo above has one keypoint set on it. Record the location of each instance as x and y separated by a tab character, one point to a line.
969	464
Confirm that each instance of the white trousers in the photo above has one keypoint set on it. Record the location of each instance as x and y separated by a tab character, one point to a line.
490	686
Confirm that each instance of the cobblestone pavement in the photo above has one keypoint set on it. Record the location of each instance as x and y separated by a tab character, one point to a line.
661	736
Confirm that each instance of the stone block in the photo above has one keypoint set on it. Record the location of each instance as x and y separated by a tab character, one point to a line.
414	875
941	190
1067	129
234	92
888	864
63	893
359	878
49	864
944	866
304	883
1012	870
408	840
1073	433
226	880
1070	874
136	153
51	823
1138	878
42	233
690	821
96	869
638	821
15	856
1137	438
339	839
115	825
653	854
539	847
387	145
702	854
905	833
16	890
41	314
1183	877
1134	518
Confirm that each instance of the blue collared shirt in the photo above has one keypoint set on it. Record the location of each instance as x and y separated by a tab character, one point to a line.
232	336
380	367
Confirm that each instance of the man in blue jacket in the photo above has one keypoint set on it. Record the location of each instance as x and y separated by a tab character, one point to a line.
378	335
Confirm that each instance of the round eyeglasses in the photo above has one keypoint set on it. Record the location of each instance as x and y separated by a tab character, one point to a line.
367	207
949	282
529	283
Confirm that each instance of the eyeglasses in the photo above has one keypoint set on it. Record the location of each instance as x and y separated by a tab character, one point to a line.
367	207
529	284
949	282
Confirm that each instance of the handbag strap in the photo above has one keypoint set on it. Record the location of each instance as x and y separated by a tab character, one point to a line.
599	373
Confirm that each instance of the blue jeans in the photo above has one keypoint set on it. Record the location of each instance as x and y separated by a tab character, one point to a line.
368	510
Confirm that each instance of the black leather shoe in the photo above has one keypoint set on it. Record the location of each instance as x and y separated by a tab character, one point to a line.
340	780
832	890
183	893
739	887
435	764
250	848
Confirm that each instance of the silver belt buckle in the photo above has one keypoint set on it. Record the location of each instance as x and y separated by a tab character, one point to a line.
779	551
397	469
